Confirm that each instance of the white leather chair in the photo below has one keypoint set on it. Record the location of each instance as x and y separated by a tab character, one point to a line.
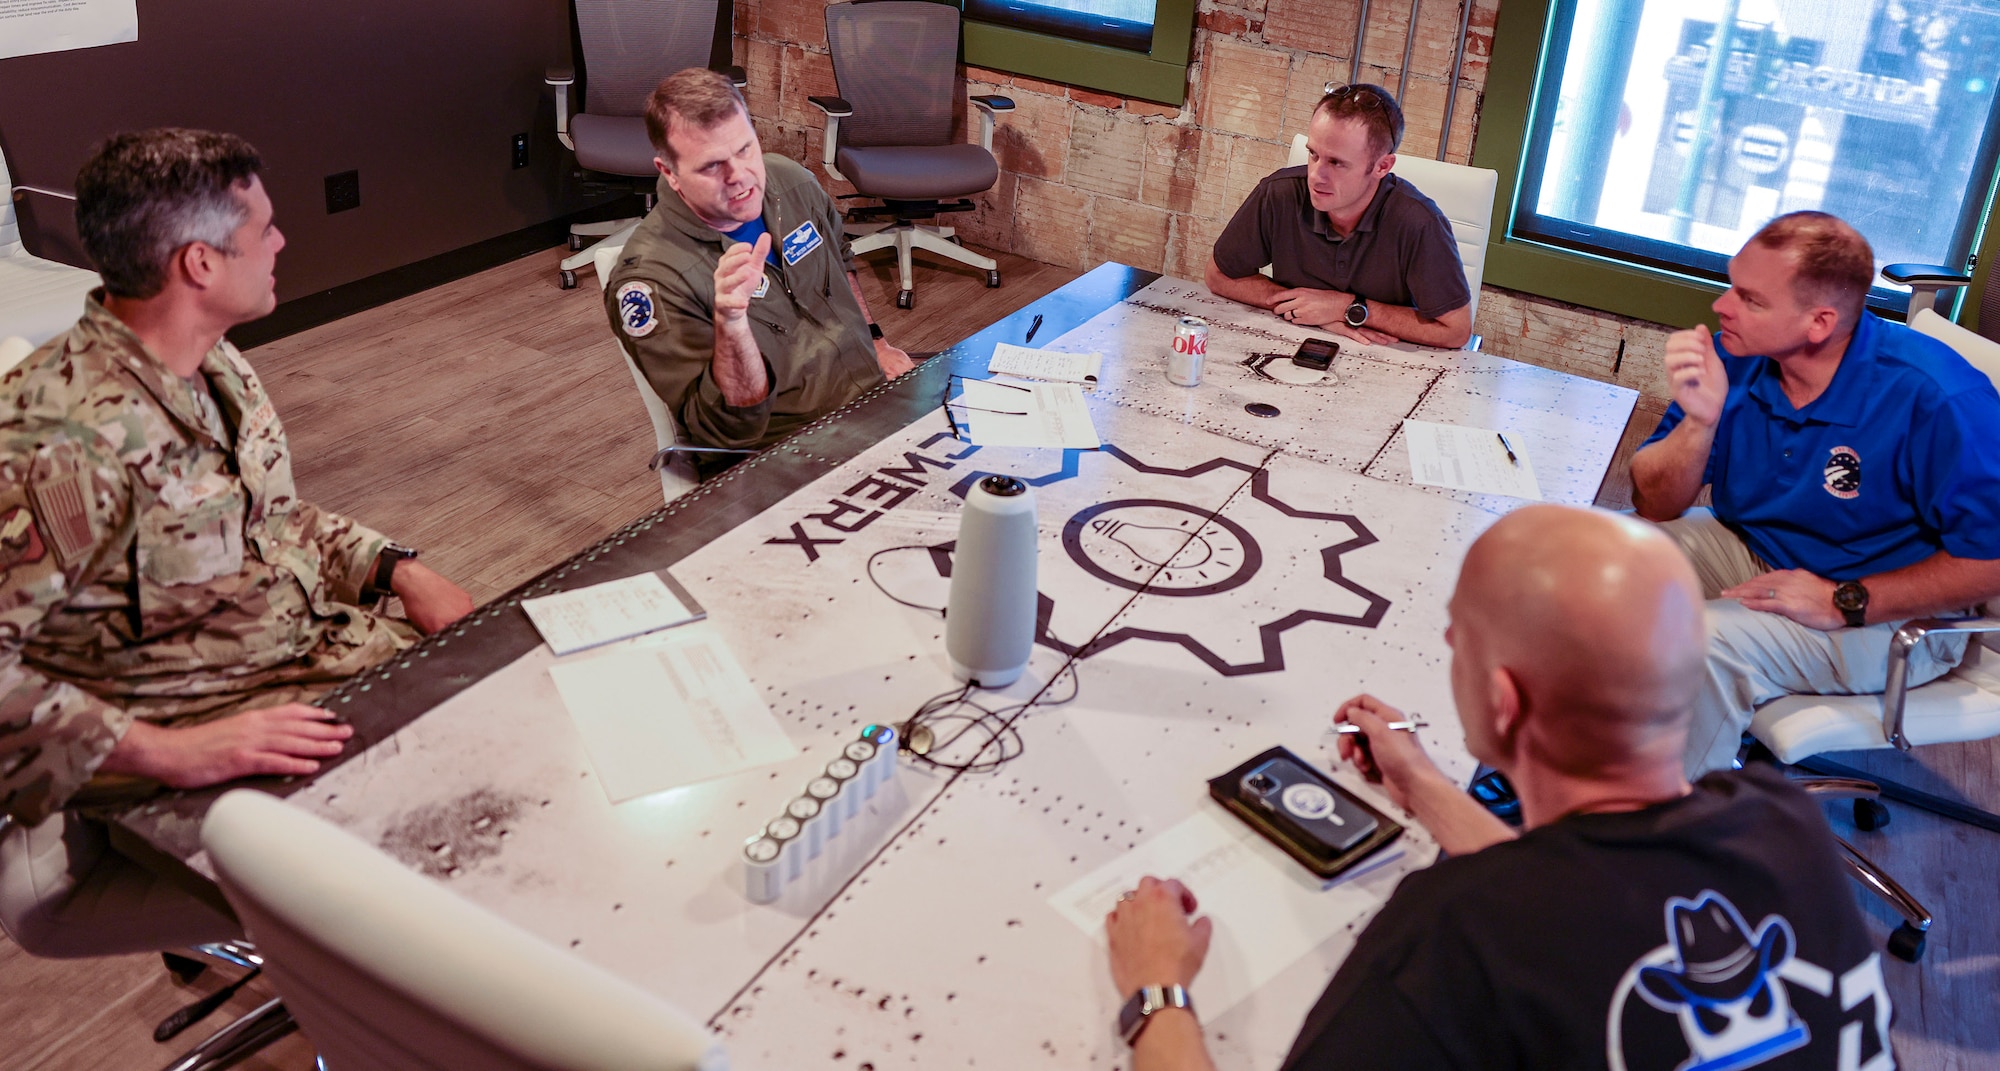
675	466
1961	705
1464	194
386	969
39	299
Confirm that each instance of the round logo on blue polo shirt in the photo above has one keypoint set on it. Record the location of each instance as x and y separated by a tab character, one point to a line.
1843	473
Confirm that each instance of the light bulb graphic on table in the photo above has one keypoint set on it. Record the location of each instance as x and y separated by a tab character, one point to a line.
1157	545
1164	547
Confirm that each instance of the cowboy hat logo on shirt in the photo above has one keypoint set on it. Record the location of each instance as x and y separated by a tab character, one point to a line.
1843	473
1733	990
803	239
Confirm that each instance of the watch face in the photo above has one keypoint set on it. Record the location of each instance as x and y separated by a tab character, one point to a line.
1357	314
1850	596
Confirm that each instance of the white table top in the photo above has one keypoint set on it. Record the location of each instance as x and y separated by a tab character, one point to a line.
928	931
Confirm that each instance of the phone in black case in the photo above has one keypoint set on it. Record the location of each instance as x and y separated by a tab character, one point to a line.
1316	354
1315	821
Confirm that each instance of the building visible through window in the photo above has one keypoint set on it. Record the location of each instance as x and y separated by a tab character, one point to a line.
1660	139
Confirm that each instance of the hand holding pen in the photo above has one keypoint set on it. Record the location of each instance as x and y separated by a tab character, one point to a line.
1380	742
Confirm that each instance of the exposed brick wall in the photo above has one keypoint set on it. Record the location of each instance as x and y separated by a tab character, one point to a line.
1088	177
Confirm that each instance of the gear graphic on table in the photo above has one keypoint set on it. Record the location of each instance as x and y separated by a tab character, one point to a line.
1261	570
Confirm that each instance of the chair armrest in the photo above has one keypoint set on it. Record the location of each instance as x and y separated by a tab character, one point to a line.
1900	645
835	108
989	108
1932	274
737	76
562	78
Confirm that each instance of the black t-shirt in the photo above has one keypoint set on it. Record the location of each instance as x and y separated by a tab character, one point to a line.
1401	251
1716	931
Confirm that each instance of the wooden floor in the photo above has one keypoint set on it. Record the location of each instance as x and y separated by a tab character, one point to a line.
490	423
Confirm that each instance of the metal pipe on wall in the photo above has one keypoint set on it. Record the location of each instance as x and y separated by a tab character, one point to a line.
1409	49
1451	87
1360	38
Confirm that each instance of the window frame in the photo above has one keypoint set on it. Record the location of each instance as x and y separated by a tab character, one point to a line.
1522	36
1158	75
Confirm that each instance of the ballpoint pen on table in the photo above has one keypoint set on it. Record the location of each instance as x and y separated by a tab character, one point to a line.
1348	728
1033	327
1511	459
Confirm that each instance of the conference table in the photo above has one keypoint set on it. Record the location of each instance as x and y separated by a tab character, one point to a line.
1259	570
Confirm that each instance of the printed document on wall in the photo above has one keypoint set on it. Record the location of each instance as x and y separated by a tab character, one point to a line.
31	27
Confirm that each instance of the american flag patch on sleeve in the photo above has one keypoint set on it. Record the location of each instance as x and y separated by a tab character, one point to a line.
65	516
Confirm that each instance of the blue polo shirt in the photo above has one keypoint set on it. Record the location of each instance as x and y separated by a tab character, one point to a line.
1898	459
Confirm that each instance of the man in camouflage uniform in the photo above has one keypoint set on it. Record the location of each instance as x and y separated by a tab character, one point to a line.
166	600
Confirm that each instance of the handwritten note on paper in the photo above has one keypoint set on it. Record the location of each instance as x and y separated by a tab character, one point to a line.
1469	459
615	610
1012	360
667	713
1268	910
1006	413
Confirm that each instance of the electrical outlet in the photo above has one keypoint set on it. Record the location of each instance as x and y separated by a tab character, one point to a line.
343	191
520	151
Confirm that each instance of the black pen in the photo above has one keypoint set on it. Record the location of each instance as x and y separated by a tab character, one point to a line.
1032	328
1511	459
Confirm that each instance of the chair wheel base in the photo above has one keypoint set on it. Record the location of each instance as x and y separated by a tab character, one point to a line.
906	299
1907	943
568	279
993	279
1870	815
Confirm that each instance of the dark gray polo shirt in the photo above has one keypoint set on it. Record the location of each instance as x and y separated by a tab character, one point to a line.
1401	252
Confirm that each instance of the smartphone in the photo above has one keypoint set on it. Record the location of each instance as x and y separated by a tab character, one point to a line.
1316	354
1315	821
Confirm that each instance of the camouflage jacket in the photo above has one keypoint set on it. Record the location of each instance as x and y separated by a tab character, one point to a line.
155	561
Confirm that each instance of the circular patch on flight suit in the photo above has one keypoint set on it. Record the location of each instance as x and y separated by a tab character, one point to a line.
1843	473
635	309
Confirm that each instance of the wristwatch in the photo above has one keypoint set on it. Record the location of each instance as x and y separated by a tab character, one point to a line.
874	330
1357	313
381	580
1133	1016
1851	599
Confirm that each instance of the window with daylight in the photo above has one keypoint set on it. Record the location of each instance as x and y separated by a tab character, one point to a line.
1665	132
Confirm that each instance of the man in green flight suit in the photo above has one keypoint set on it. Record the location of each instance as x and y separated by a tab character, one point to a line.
168	605
736	296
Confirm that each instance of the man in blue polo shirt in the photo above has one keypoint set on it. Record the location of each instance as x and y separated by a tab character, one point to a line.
1854	482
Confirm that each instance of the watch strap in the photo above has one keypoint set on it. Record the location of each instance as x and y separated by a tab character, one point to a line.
1851	599
1138	1011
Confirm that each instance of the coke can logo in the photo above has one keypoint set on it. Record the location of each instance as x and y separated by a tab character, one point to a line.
1190	344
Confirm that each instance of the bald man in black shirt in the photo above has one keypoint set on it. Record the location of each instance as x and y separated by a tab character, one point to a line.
1353	249
1639	921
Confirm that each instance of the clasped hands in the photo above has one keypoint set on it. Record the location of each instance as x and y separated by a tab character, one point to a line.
1153	933
1325	308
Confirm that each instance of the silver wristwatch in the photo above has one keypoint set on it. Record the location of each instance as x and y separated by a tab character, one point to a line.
1132	1018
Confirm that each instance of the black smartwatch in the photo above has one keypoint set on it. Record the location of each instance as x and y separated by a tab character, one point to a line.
874	329
1357	313
1851	599
381	580
1132	1018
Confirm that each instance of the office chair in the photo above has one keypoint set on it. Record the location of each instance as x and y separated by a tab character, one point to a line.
1465	196
889	131
629	46
1926	281
39	299
386	969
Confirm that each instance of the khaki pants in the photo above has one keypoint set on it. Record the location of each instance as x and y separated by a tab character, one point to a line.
66	893
1755	657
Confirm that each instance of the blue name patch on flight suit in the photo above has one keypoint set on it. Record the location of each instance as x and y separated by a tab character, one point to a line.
801	241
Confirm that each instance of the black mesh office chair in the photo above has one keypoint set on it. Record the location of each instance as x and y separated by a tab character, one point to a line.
889	131
629	46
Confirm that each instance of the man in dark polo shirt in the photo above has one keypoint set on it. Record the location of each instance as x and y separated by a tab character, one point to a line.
1352	248
736	295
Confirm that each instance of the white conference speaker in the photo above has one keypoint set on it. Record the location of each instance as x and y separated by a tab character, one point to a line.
989	624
